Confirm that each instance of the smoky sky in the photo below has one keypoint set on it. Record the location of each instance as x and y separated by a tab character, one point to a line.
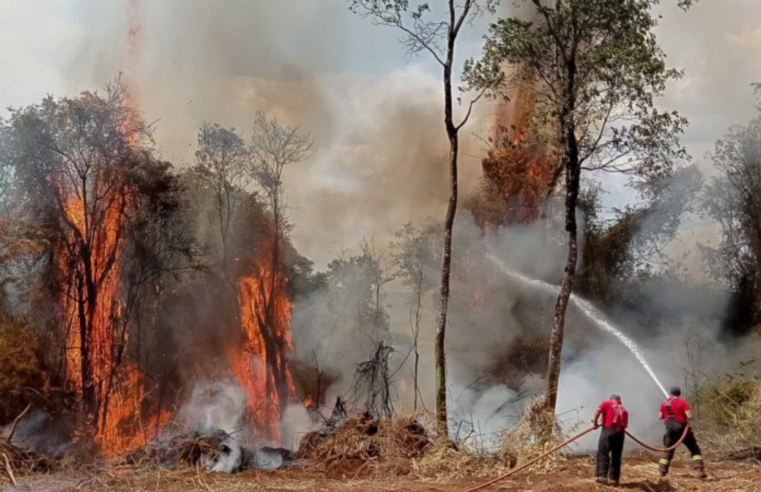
376	114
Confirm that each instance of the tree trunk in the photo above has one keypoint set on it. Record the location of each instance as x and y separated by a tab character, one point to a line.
572	166
566	287
446	263
87	311
416	337
276	341
455	23
573	173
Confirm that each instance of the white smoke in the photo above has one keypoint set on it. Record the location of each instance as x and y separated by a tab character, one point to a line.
294	424
220	404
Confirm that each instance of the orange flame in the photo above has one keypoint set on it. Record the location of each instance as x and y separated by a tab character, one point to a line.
260	365
94	245
93	251
123	429
309	402
519	172
103	241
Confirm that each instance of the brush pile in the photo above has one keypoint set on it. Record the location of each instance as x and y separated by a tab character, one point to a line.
188	449
211	448
362	439
15	458
22	460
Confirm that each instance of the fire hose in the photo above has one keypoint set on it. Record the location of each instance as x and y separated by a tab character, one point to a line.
661	450
566	443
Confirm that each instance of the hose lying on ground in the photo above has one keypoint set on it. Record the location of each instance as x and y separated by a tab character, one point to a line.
526	465
566	443
661	450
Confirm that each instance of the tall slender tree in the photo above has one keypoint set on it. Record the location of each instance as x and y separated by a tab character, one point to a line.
222	166
597	70
438	38
273	147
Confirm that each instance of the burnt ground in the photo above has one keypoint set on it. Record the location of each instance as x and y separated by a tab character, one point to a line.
568	475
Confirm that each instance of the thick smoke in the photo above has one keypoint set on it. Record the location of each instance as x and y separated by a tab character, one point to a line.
378	126
222	404
677	328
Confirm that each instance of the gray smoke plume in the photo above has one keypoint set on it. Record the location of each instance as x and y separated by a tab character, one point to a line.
219	404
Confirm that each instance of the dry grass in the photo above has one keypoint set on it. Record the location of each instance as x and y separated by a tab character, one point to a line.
442	462
519	444
729	416
181	450
23	461
572	475
362	442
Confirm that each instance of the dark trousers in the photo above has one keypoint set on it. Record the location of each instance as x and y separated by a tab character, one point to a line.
610	447
674	431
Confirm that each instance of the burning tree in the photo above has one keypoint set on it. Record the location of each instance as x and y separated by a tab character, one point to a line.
520	171
254	270
86	179
265	306
596	70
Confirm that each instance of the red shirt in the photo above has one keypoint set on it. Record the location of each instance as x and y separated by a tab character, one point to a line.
608	412
679	408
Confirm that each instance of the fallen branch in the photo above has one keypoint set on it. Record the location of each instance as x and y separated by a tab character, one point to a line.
15	422
753	452
9	470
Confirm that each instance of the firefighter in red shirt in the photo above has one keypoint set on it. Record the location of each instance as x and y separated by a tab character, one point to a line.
676	413
610	447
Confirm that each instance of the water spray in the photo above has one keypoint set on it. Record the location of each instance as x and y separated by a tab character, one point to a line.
591	313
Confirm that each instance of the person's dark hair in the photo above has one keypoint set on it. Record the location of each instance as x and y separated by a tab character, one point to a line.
675	391
615	397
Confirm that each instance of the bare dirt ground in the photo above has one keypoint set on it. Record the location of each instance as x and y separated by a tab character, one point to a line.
569	475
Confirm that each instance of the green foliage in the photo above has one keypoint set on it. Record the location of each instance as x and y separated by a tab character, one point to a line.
415	253
731	200
415	19
597	70
607	258
622	252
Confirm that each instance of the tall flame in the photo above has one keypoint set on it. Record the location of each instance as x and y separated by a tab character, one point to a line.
259	365
100	314
90	258
92	252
